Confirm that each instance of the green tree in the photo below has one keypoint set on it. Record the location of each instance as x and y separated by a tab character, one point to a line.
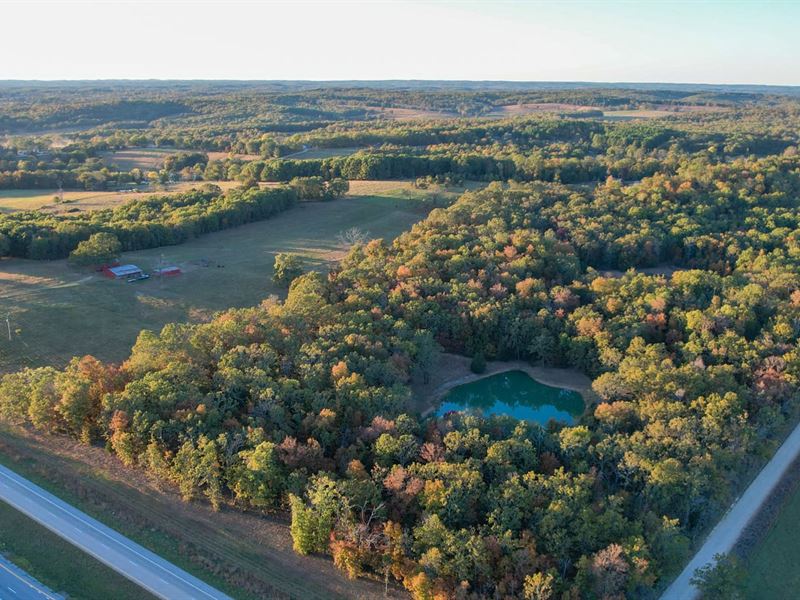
287	266
478	363
336	188
309	188
538	586
724	580
100	249
312	523
258	479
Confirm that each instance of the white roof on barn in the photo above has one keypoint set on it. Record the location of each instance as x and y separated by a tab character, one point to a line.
123	270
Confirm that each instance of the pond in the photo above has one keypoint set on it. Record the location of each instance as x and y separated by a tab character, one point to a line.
516	394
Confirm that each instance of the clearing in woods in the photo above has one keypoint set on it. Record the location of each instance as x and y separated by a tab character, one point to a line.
317	153
56	312
153	158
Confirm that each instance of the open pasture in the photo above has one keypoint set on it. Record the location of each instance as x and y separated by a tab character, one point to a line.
410	114
56	312
531	108
318	153
76	201
224	155
151	159
138	158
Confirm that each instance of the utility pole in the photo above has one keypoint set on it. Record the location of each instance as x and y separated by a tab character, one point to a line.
8	325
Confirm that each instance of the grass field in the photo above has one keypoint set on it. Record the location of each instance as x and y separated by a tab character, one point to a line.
153	158
84	201
138	158
316	153
772	570
57	312
624	115
224	155
410	114
57	564
529	108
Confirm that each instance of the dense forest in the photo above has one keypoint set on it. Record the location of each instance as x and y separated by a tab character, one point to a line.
305	404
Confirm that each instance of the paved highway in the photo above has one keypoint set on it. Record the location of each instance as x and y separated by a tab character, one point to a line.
153	573
727	532
17	584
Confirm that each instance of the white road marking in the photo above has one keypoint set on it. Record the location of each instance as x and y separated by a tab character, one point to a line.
121	546
30	584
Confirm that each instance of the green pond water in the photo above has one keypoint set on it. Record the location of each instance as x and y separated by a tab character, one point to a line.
514	393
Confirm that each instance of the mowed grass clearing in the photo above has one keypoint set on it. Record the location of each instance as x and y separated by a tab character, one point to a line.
151	159
318	153
773	570
85	201
56	312
58	564
138	158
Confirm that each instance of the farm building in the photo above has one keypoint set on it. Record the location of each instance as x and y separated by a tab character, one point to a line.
167	271
124	271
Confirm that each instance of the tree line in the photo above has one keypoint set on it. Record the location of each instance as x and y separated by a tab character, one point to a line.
163	220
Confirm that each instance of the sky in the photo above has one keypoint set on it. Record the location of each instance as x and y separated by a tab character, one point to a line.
609	41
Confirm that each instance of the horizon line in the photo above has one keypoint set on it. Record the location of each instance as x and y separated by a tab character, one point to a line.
397	80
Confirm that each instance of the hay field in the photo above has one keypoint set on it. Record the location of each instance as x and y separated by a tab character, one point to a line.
530	108
84	201
224	155
150	159
317	153
410	114
138	158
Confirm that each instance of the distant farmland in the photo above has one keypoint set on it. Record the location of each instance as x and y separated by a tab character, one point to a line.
153	158
532	108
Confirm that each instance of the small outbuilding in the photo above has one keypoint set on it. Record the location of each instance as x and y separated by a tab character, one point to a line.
167	271
124	272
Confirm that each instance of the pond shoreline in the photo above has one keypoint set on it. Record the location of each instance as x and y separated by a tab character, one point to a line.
453	370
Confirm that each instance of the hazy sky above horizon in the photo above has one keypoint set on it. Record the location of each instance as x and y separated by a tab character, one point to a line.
679	41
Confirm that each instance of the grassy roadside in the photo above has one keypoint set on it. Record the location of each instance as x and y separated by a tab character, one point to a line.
59	565
33	467
247	556
772	572
764	453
